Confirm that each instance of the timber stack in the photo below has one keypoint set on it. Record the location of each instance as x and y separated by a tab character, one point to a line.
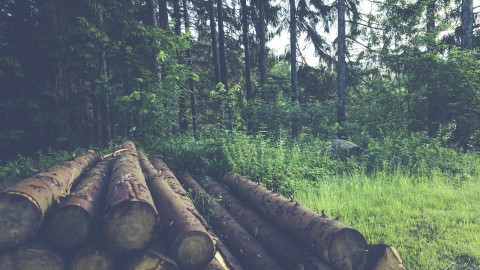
124	211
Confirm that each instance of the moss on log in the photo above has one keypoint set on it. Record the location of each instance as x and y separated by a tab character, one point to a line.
341	247
24	205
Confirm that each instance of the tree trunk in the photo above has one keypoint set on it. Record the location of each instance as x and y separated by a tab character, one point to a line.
191	84
467	24
383	256
163	10
190	244
223	256
131	219
341	71
261	35
248	251
431	35
154	258
93	259
213	30
32	256
248	79
72	223
151	13
333	242
293	69
221	45
24	204
282	247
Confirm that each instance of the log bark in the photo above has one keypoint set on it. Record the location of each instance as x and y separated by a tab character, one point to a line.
383	256
248	251
93	259
154	259
72	223
333	242
223	258
131	219
32	256
23	205
190	244
282	247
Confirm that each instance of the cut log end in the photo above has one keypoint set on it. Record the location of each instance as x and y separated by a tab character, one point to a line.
151	262
69	226
193	250
130	226
20	218
93	259
32	257
348	250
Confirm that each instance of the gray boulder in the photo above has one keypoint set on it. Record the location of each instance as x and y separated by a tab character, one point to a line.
343	149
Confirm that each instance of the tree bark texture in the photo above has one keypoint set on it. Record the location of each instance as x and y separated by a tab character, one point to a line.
190	244
93	259
341	70
282	247
293	68
155	258
467	24
32	256
213	32
248	251
163	16
223	256
73	221
261	35
191	84
221	45
24	205
333	242
248	77
383	256
131	219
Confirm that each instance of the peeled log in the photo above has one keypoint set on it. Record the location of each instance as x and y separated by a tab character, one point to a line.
24	204
190	244
248	251
32	256
333	242
72	223
223	259
153	259
131	220
289	253
93	259
384	257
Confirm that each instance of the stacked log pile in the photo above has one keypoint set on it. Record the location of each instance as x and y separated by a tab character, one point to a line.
129	212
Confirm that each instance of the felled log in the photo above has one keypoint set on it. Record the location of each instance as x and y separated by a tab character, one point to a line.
333	242
155	258
282	247
131	220
224	259
93	259
384	257
32	256
23	205
248	251
72	222
190	244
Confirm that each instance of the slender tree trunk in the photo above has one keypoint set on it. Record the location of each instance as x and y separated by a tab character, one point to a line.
191	84
248	77
341	70
341	247
223	62
431	7
151	13
106	96
177	16
263	56
293	69
467	24
213	30
163	10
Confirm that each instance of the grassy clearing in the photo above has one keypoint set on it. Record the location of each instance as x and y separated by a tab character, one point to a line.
434	222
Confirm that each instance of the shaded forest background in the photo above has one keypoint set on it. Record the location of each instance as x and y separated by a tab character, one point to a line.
81	73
